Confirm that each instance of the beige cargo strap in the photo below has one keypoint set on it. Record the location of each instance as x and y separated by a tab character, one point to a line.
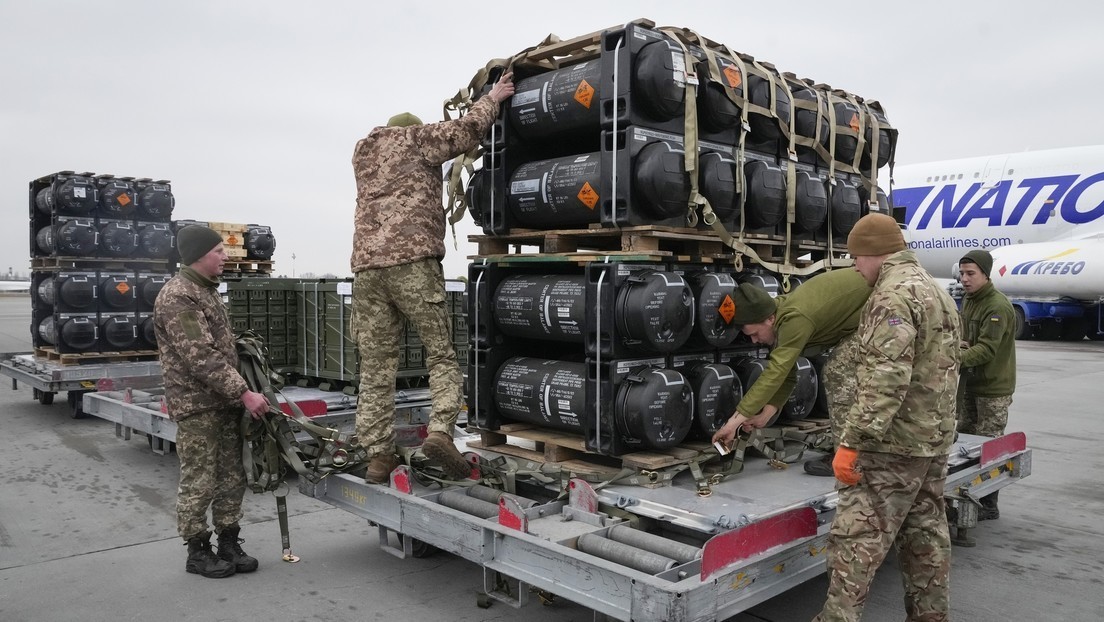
690	129
269	442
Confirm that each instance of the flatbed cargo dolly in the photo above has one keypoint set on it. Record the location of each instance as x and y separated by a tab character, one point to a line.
143	411
639	553
48	378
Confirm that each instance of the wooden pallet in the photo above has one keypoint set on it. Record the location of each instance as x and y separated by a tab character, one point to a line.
569	452
247	266
87	358
98	263
654	241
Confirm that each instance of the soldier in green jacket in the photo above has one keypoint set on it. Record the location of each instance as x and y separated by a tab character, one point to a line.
205	396
988	358
822	313
892	454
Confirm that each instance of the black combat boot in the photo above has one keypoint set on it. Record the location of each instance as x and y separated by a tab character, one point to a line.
821	467
230	550
202	561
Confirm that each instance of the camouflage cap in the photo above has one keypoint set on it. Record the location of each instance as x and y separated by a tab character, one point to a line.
980	257
753	304
403	119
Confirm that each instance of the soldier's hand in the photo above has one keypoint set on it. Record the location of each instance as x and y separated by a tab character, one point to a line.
502	89
845	466
727	433
255	403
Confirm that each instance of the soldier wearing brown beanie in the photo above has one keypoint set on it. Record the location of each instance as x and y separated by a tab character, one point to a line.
893	446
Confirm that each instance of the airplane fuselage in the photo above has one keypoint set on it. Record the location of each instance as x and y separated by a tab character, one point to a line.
954	206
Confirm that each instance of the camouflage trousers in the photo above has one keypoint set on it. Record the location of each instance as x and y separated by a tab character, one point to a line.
898	502
382	299
985	416
840	380
209	445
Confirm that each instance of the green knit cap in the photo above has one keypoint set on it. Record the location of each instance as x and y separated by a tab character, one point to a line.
195	241
753	304
403	119
982	258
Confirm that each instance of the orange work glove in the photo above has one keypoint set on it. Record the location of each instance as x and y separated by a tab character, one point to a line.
845	467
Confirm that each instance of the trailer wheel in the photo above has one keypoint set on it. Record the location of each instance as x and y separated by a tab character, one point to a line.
420	549
44	397
76	404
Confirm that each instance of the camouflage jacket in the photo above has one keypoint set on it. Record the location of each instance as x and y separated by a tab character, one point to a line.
908	373
400	214
821	312
989	364
199	362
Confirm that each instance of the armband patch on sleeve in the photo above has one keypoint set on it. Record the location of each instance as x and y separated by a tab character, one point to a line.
189	322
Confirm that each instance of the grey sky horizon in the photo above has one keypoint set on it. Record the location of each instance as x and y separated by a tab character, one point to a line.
252	108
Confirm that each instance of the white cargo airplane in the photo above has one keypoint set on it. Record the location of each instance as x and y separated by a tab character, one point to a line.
1041	214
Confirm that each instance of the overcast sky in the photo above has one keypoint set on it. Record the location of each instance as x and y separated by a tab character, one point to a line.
252	109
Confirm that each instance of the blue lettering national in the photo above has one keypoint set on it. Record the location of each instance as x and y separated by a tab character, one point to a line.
1033	200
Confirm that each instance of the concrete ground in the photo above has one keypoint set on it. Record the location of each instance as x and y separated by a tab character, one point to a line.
88	531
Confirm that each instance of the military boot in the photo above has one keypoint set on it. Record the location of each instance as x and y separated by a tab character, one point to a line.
441	451
203	561
230	550
380	467
988	509
821	467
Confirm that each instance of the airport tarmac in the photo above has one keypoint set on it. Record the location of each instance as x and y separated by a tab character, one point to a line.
88	530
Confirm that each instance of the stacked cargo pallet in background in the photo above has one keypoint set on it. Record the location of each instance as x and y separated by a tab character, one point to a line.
100	249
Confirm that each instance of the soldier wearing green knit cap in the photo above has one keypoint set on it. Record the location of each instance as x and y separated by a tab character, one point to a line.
822	313
988	358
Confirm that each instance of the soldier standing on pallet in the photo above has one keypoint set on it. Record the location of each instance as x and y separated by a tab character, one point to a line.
893	444
398	244
988	358
204	394
822	313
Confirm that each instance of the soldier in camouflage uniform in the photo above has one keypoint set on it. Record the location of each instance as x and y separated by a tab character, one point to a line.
893	445
204	394
822	313
398	244
988	358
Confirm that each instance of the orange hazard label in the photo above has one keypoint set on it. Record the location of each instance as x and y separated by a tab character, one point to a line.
584	94
732	72
587	195
727	309
854	122
124	199
231	240
122	288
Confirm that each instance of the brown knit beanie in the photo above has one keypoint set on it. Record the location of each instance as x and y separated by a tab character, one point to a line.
753	304
982	258
875	234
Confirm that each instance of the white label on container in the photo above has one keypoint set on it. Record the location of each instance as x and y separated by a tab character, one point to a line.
525	186
525	98
454	286
345	289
